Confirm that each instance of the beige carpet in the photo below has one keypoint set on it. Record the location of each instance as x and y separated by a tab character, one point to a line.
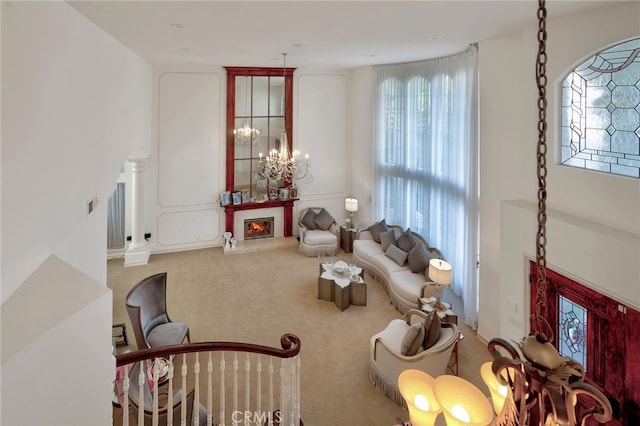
257	297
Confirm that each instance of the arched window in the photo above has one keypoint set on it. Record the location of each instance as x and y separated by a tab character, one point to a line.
601	112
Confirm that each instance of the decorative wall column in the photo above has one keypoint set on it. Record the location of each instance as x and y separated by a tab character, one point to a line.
138	251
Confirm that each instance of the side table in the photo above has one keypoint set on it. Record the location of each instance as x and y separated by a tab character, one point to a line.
347	237
445	316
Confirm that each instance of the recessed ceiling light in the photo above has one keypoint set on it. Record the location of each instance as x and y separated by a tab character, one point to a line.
435	38
177	26
296	45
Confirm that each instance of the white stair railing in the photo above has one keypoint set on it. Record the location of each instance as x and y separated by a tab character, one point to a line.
149	395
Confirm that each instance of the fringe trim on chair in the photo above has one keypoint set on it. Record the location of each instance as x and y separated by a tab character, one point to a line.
315	252
385	387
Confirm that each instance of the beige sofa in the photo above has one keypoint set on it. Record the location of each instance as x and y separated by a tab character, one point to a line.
404	286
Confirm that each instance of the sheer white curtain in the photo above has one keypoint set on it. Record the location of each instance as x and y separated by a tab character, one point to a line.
426	159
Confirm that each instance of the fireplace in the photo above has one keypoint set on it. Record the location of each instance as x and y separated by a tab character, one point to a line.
258	228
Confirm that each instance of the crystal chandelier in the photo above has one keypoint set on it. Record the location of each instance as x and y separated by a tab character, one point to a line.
246	135
530	383
280	163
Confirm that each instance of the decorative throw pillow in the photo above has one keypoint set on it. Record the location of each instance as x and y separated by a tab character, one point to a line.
406	241
323	220
387	238
307	219
412	340
432	329
396	254
377	228
418	259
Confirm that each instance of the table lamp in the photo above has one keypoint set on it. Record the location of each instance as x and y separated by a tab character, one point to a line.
440	273
350	205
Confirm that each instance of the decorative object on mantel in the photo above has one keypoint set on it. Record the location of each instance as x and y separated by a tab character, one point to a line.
540	386
279	163
293	192
440	273
350	205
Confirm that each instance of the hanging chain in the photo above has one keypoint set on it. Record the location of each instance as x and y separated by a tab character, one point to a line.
541	238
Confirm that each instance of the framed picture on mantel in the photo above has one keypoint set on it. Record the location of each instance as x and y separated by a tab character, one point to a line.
293	192
225	198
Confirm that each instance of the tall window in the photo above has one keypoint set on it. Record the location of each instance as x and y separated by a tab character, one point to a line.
601	112
426	156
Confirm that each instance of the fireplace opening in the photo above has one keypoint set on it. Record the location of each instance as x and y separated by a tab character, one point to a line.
258	228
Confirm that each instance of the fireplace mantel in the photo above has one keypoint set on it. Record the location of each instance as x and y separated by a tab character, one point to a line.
286	204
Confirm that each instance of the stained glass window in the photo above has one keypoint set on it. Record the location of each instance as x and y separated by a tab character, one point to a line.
601	112
572	332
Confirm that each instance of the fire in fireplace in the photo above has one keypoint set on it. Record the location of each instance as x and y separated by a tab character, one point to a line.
258	228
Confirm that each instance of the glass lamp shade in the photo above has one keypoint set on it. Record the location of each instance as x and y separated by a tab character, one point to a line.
351	204
462	402
416	388
498	391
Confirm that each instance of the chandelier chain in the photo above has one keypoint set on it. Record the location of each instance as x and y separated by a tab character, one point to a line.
539	320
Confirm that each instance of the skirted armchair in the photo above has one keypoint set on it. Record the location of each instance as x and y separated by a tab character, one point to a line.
318	232
410	336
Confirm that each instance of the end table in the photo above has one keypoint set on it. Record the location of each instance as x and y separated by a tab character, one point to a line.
347	237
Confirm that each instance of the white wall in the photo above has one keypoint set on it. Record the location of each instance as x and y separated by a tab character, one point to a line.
508	135
75	104
362	142
186	169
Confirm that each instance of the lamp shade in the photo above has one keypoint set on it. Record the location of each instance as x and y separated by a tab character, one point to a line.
416	388
351	204
498	391
440	271
462	403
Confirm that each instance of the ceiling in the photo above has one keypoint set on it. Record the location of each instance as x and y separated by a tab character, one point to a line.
315	34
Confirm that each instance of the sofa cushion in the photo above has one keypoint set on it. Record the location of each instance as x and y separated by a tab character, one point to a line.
413	340
406	284
387	238
377	228
399	256
418	259
406	241
318	237
366	249
323	220
432	327
307	219
386	265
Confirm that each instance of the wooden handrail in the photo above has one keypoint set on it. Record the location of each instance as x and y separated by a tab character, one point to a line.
290	347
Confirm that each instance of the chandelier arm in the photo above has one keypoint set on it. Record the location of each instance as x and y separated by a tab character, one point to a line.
601	412
499	343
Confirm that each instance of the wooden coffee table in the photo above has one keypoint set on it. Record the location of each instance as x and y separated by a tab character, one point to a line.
336	284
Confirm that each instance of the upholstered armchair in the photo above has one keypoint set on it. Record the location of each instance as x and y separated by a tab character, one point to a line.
147	308
318	232
387	347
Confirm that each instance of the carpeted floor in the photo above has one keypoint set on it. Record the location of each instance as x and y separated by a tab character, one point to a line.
257	297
